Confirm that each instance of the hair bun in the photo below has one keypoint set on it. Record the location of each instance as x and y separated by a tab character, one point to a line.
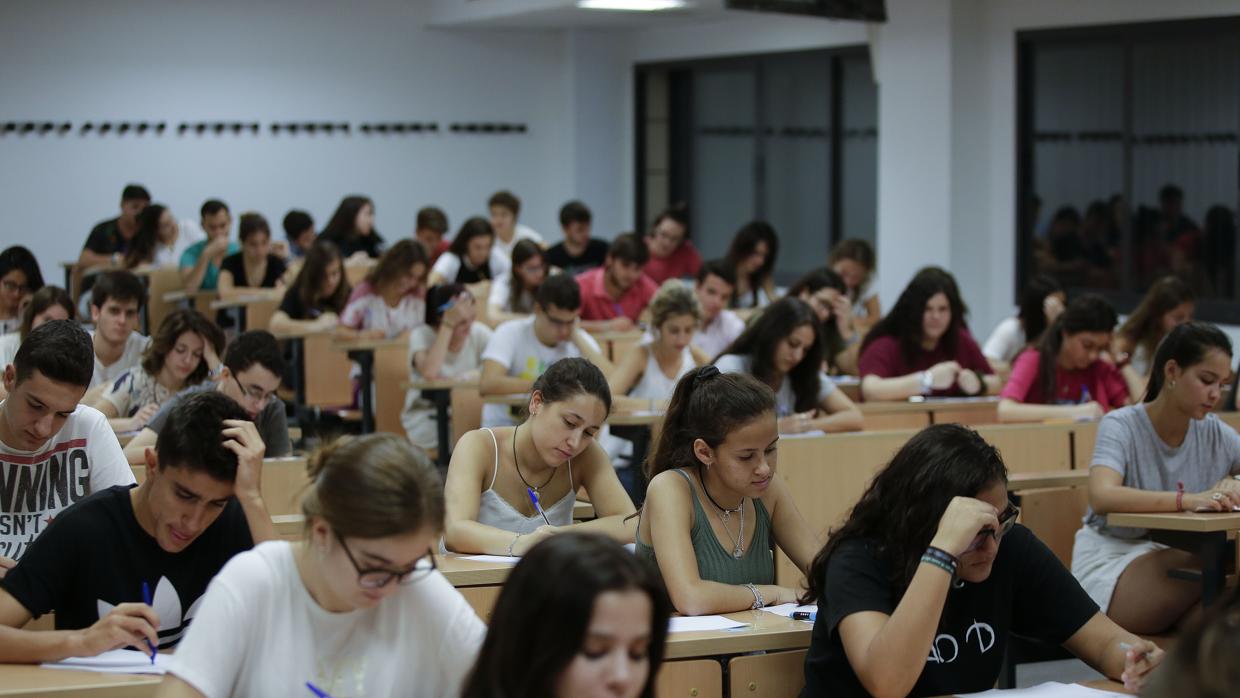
704	374
317	461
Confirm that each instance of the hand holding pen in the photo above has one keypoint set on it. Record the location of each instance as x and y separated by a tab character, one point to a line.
537	506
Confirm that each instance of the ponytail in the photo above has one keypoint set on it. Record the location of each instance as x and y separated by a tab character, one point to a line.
1186	345
1088	313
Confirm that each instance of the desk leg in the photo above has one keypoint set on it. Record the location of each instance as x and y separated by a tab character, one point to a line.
299	371
365	361
442	400
1211	548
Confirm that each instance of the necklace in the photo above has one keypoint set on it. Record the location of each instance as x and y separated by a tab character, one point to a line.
725	515
517	463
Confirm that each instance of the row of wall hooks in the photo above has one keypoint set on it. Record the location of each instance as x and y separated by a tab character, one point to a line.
1207	137
158	128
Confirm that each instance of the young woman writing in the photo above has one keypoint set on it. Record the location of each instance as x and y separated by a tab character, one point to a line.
646	377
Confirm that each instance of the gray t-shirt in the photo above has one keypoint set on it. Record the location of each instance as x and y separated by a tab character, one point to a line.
271	424
1128	444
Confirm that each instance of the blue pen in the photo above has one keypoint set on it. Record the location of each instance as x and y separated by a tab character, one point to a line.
1085	397
146	599
805	615
317	691
537	506
444	308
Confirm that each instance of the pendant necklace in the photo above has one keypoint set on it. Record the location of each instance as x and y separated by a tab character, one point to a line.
725	515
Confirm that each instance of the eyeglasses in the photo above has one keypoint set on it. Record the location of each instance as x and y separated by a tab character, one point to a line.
254	393
14	287
377	578
1007	519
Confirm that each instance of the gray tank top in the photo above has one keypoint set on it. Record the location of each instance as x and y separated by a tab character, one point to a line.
495	511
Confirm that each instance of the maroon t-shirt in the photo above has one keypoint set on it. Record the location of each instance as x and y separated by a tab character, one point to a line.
883	358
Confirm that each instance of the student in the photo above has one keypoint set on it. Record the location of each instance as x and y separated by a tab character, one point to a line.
354	608
250	375
449	345
160	240
1064	376
783	349
496	473
109	240
520	350
197	507
317	296
352	229
1202	664
854	260
922	347
921	588
751	256
43	428
672	254
391	302
824	291
646	377
713	470
472	256
47	304
1167	454
720	327
183	351
614	295
115	303
19	277
254	267
299	232
504	207
429	230
577	252
512	294
200	263
1040	303
578	616
1168	303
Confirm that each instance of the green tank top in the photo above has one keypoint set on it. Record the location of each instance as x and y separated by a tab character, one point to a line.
715	564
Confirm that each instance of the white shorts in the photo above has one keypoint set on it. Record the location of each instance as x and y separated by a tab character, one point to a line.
1098	560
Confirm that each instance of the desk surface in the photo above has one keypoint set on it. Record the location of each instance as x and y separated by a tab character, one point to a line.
439	384
1049	479
980	404
1184	521
469	573
30	679
369	344
766	631
515	400
243	300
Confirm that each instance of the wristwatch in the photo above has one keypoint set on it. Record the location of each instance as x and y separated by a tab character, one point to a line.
927	382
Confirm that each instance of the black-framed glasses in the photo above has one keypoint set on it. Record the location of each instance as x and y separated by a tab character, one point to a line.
254	393
1007	519
377	577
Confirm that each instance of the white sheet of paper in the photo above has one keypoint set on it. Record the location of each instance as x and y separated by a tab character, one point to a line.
1050	689
786	609
509	559
688	624
116	662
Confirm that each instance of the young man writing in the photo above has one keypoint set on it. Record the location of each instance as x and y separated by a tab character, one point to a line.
614	296
198	506
720	326
200	264
577	252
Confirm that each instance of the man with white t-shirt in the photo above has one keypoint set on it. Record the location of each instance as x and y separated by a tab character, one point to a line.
520	350
504	208
720	326
115	303
53	451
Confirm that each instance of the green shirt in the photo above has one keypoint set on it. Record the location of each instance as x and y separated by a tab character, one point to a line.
211	277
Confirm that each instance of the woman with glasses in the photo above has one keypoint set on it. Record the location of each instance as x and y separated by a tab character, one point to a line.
19	277
355	608
920	589
512	295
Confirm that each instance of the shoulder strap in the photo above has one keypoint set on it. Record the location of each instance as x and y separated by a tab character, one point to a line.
495	470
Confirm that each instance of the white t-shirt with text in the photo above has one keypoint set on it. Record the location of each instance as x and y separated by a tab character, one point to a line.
515	347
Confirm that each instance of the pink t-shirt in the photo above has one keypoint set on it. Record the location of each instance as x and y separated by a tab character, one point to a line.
883	358
683	263
597	305
1100	382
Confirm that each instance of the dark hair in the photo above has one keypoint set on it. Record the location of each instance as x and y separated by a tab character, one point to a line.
763	335
210	207
570	377
1143	328
899	512
310	278
117	285
1187	345
476	226
135	192
574	212
251	224
1032	305
678	213
1170	192
717	267
142	246
395	262
254	347
21	259
373	486
192	435
630	248
60	350
904	321
522	252
431	218
342	226
859	251
745	242
1087	313
436	297
297	222
543	613
706	405
1202	664
560	290
165	338
813	282
507	200
43	299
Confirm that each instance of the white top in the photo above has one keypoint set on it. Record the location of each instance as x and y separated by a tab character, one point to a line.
170	255
654	384
754	298
134	390
1140	361
449	264
864	294
371	312
501	294
418	417
785	399
721	332
497	512
11	325
83	457
519	232
1006	341
135	345
515	347
9	343
259	633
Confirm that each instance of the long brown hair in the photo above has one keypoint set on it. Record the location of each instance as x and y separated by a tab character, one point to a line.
43	299
310	279
397	261
1143	329
165	339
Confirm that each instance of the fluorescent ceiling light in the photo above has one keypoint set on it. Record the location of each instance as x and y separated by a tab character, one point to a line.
631	5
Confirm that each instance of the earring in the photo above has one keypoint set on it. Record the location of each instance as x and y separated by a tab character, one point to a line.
1173	385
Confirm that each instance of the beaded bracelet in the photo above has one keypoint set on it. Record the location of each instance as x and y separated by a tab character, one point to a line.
514	542
758	601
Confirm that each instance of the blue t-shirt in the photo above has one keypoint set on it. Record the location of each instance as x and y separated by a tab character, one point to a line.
190	257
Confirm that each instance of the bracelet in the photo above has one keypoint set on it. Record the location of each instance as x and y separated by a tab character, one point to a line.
939	564
941	558
758	601
514	542
1179	496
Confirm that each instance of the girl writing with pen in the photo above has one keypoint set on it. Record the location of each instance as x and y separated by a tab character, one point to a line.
1065	375
390	301
510	487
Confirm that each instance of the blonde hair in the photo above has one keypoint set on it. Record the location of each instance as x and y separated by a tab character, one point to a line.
373	486
673	298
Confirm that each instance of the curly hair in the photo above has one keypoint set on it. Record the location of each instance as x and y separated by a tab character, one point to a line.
165	339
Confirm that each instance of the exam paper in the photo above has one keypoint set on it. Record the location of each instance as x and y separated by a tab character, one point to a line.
116	662
786	609
1050	689
510	559
687	624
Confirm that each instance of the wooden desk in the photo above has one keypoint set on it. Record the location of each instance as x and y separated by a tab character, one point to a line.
284	480
513	400
1019	482
250	311
1204	535
34	680
363	351
190	300
479	582
766	631
916	413
439	392
614	344
583	511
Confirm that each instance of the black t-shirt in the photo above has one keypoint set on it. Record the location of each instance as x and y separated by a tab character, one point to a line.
106	238
350	243
1028	593
95	556
235	265
595	255
296	309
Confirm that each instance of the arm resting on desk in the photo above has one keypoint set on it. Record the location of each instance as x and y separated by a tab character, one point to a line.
877	389
496	381
128	623
612	505
838	414
1115	652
